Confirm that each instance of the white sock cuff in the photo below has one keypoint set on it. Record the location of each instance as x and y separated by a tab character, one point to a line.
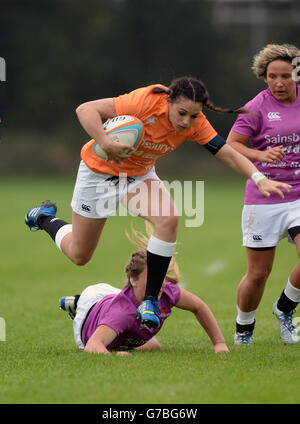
63	231
245	318
292	292
161	247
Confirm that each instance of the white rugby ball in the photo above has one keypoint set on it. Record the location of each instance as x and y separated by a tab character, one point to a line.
123	129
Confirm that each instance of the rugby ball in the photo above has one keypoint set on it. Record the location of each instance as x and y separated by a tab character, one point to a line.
123	129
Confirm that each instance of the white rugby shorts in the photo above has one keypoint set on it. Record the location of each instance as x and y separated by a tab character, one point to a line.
88	298
98	195
265	225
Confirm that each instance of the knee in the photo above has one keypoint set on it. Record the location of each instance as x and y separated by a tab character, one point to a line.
80	260
168	224
259	275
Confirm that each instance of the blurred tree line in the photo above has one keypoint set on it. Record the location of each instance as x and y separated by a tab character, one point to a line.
60	53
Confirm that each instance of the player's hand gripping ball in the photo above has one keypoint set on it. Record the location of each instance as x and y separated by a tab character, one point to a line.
122	129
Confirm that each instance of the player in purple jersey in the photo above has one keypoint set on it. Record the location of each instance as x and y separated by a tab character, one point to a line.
273	128
105	317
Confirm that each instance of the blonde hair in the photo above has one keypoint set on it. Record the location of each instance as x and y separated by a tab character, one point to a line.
138	259
271	52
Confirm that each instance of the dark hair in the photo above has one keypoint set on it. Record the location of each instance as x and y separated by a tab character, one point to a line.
195	90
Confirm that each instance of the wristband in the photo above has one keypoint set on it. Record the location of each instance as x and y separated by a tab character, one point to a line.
257	176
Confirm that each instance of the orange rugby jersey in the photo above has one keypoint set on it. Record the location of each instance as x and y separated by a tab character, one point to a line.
160	137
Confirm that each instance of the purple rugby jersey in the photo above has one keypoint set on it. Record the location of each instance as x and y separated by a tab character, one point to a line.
271	124
118	311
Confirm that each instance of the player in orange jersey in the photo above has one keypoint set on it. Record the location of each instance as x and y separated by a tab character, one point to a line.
170	115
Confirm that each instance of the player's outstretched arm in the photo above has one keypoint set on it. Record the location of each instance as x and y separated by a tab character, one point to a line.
239	143
101	338
243	166
205	317
151	344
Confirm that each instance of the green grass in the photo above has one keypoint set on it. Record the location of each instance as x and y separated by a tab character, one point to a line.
39	362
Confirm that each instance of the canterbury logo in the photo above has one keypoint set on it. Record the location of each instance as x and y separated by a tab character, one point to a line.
257	237
151	120
273	116
86	208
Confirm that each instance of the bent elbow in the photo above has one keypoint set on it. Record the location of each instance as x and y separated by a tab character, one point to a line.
79	109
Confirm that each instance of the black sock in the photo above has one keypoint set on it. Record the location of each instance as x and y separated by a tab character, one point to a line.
157	267
51	224
77	296
285	304
240	328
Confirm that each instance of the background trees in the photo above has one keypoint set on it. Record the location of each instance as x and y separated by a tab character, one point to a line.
60	53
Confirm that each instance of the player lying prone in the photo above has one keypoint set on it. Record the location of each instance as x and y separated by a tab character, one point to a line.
104	317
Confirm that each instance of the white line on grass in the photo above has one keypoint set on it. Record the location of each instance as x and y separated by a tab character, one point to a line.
215	267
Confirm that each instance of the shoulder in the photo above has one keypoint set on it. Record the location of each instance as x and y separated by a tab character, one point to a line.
172	292
124	300
121	310
126	293
200	120
255	107
154	94
256	103
201	130
146	91
141	101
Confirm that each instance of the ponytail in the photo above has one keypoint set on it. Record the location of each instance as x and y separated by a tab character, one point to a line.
160	90
195	90
209	105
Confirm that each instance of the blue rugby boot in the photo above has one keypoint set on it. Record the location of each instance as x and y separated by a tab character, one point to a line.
148	312
47	208
69	304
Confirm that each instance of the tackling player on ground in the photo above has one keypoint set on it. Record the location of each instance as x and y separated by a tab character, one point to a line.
105	317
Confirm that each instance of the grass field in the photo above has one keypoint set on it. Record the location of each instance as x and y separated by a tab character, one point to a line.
39	362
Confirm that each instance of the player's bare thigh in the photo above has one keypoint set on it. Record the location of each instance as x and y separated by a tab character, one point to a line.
260	262
151	200
80	244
